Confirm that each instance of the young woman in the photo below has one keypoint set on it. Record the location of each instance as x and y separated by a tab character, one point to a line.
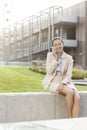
59	67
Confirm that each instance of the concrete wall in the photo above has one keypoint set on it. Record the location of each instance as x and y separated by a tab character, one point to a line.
16	107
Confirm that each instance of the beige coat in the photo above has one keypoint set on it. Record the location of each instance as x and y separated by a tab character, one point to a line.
51	64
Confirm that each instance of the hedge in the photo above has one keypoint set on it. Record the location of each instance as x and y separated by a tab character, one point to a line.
76	73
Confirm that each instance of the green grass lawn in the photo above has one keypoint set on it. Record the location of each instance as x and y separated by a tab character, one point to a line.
21	79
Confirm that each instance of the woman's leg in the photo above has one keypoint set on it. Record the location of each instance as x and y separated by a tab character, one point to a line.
69	98
76	105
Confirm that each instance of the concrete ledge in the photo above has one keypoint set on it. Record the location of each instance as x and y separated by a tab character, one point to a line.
18	107
80	82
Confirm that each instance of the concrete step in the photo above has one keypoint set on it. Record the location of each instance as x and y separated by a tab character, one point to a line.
80	82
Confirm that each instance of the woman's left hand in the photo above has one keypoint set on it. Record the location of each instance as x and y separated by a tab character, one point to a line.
60	88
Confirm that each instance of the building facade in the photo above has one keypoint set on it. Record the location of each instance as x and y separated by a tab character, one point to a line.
30	39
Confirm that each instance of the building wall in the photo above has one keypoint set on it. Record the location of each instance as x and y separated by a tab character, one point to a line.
86	34
80	10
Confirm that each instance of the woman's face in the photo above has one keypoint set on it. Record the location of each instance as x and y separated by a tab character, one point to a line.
58	46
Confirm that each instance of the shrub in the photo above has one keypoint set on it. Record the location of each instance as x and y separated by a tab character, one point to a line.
78	74
42	70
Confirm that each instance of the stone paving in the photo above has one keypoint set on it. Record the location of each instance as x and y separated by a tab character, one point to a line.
61	124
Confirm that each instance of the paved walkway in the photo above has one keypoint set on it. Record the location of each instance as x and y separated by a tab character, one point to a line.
62	124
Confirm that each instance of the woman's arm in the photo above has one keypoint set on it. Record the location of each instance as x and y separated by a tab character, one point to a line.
68	74
51	63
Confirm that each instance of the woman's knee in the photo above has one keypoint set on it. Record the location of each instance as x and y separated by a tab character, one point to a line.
69	92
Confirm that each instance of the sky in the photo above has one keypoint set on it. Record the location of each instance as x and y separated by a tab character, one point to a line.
20	9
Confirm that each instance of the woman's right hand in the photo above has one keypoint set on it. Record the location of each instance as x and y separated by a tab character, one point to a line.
55	53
